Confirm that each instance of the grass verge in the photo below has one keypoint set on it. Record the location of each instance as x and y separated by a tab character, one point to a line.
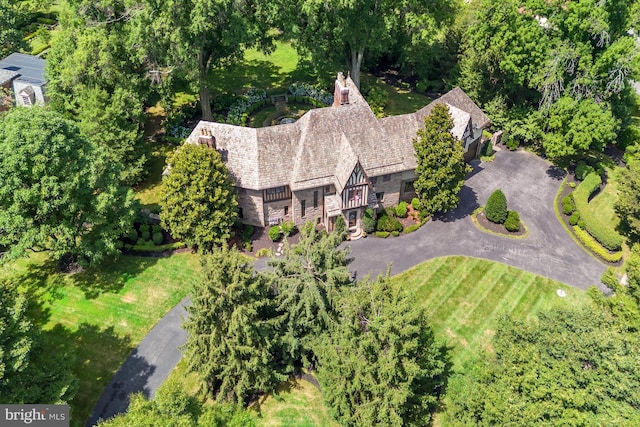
102	313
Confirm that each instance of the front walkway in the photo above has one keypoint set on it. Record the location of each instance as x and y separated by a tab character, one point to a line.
530	185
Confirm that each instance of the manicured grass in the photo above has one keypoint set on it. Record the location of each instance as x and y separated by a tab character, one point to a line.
295	404
602	204
465	298
149	191
103	313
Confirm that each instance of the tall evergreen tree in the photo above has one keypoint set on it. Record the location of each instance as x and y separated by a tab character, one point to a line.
197	198
307	280
231	342
381	365
441	167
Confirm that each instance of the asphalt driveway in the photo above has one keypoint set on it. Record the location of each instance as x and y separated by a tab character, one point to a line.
530	185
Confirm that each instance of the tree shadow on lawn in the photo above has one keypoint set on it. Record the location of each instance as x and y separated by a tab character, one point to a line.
93	354
111	275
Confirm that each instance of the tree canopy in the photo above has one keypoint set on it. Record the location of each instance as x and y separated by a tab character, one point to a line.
380	365
198	200
628	204
58	190
570	367
307	280
10	35
441	167
231	342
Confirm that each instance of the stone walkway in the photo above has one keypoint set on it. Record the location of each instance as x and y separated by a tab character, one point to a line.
530	185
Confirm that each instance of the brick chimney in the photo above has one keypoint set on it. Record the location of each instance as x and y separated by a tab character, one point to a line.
341	92
206	138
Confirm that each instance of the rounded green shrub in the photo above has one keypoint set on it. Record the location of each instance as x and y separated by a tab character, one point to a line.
402	209
158	238
388	224
368	221
568	205
133	235
582	170
340	225
574	219
512	144
512	223
145	235
275	233
156	229
411	228
395	233
416	203
287	228
383	234
496	209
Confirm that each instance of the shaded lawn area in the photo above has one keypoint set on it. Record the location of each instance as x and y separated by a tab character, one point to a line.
465	298
399	101
148	192
103	313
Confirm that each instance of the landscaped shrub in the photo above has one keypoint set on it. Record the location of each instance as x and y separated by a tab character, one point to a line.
594	246
395	233
150	247
401	210
275	233
287	228
607	236
340	226
512	222
416	203
411	228
389	224
512	144
424	215
383	234
133	235
247	232
263	252
574	219
572	185
158	238
248	246
156	229
496	209
145	235
582	170
390	211
568	205
369	221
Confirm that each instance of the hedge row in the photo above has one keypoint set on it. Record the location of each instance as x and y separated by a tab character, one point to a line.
595	247
156	248
607	237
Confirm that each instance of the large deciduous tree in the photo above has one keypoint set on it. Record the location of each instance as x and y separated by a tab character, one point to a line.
441	167
190	38
10	35
197	199
231	341
349	30
628	204
570	367
307	280
96	78
27	373
58	191
381	365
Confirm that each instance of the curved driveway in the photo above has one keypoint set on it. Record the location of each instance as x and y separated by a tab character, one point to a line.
530	185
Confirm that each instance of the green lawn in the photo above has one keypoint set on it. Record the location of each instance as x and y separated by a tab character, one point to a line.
399	101
102	314
602	204
465	297
295	404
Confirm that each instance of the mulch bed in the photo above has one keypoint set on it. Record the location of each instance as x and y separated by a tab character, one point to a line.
498	228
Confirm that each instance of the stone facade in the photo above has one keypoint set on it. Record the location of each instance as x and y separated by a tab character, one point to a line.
311	212
250	201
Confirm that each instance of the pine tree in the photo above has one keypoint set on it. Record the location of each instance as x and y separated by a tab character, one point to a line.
441	167
496	209
381	365
231	334
307	280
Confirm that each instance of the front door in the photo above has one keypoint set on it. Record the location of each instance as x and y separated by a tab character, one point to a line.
353	220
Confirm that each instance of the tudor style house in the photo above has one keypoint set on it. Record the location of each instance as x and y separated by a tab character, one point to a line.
333	161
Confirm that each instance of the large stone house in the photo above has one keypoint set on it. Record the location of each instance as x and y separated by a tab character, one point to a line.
333	161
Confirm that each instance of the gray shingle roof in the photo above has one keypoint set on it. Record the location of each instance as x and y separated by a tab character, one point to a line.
325	144
30	68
